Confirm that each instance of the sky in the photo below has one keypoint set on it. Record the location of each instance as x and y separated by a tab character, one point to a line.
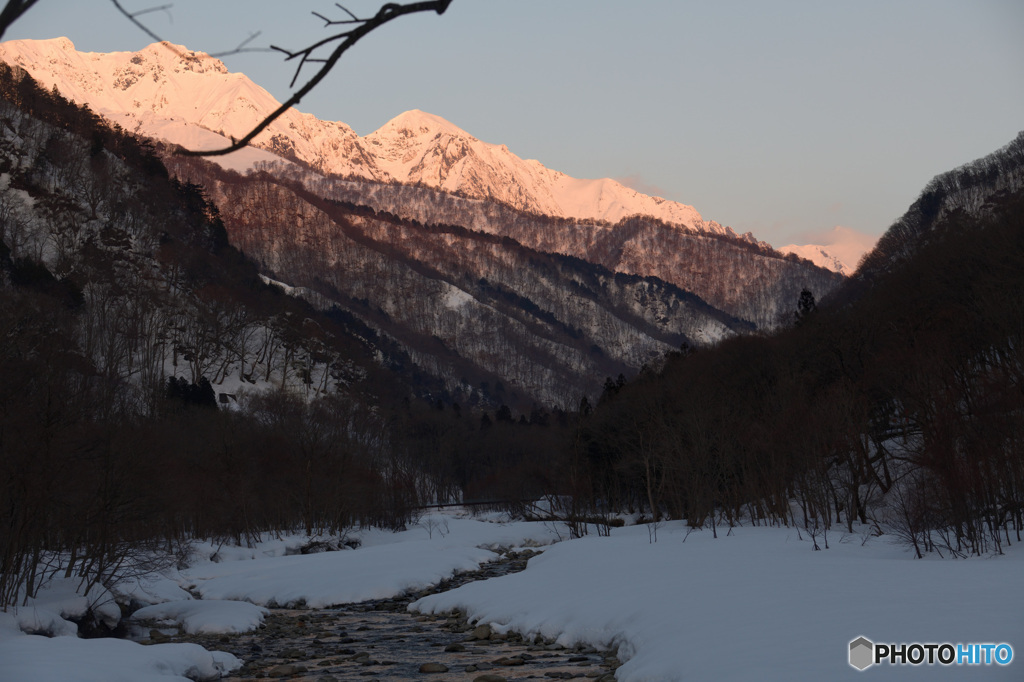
784	119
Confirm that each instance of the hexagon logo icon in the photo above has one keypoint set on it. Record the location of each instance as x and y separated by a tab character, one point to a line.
862	653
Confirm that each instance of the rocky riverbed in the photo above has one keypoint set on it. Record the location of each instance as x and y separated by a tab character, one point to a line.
380	639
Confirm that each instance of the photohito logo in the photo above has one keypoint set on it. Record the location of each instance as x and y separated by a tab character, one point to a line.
864	653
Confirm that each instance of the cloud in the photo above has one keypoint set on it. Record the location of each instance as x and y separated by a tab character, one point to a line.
640	184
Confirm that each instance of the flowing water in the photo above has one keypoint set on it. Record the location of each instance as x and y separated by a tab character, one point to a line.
380	639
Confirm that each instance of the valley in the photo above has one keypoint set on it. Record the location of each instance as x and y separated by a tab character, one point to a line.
407	405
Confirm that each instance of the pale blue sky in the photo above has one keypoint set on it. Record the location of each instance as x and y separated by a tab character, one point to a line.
782	118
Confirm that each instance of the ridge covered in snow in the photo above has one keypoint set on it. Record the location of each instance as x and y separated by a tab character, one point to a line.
841	250
820	256
170	92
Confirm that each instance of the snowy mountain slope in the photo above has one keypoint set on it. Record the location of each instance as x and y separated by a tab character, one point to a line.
819	255
144	90
840	251
131	246
417	147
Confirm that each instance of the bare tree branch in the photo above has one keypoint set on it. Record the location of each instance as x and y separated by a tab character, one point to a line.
343	9
361	27
349	38
161	8
242	47
12	11
132	17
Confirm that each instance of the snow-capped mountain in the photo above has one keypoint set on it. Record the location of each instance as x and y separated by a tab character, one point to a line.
417	147
170	92
421	167
841	250
820	256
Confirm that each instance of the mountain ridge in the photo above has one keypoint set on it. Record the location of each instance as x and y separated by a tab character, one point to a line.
421	168
141	91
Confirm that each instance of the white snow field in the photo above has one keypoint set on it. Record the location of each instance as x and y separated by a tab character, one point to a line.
386	564
758	604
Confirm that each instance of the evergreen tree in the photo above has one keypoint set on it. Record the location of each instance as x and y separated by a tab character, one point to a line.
805	306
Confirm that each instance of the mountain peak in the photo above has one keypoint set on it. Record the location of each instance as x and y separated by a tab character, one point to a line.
168	54
62	43
184	96
419	123
840	249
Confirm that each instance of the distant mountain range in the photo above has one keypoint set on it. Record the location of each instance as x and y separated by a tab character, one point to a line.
172	93
166	90
484	268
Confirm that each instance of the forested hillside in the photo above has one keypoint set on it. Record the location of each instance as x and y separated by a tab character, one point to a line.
898	404
468	307
121	305
587	278
157	390
739	275
970	189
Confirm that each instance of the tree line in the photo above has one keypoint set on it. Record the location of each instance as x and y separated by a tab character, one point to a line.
898	405
122	307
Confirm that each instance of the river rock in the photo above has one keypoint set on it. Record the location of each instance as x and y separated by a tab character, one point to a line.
481	632
433	668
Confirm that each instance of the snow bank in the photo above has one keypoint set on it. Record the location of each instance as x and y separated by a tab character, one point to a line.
387	564
55	605
760	604
206	616
61	659
37	621
152	589
64	596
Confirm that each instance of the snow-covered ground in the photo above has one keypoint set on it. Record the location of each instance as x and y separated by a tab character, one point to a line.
759	603
386	564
